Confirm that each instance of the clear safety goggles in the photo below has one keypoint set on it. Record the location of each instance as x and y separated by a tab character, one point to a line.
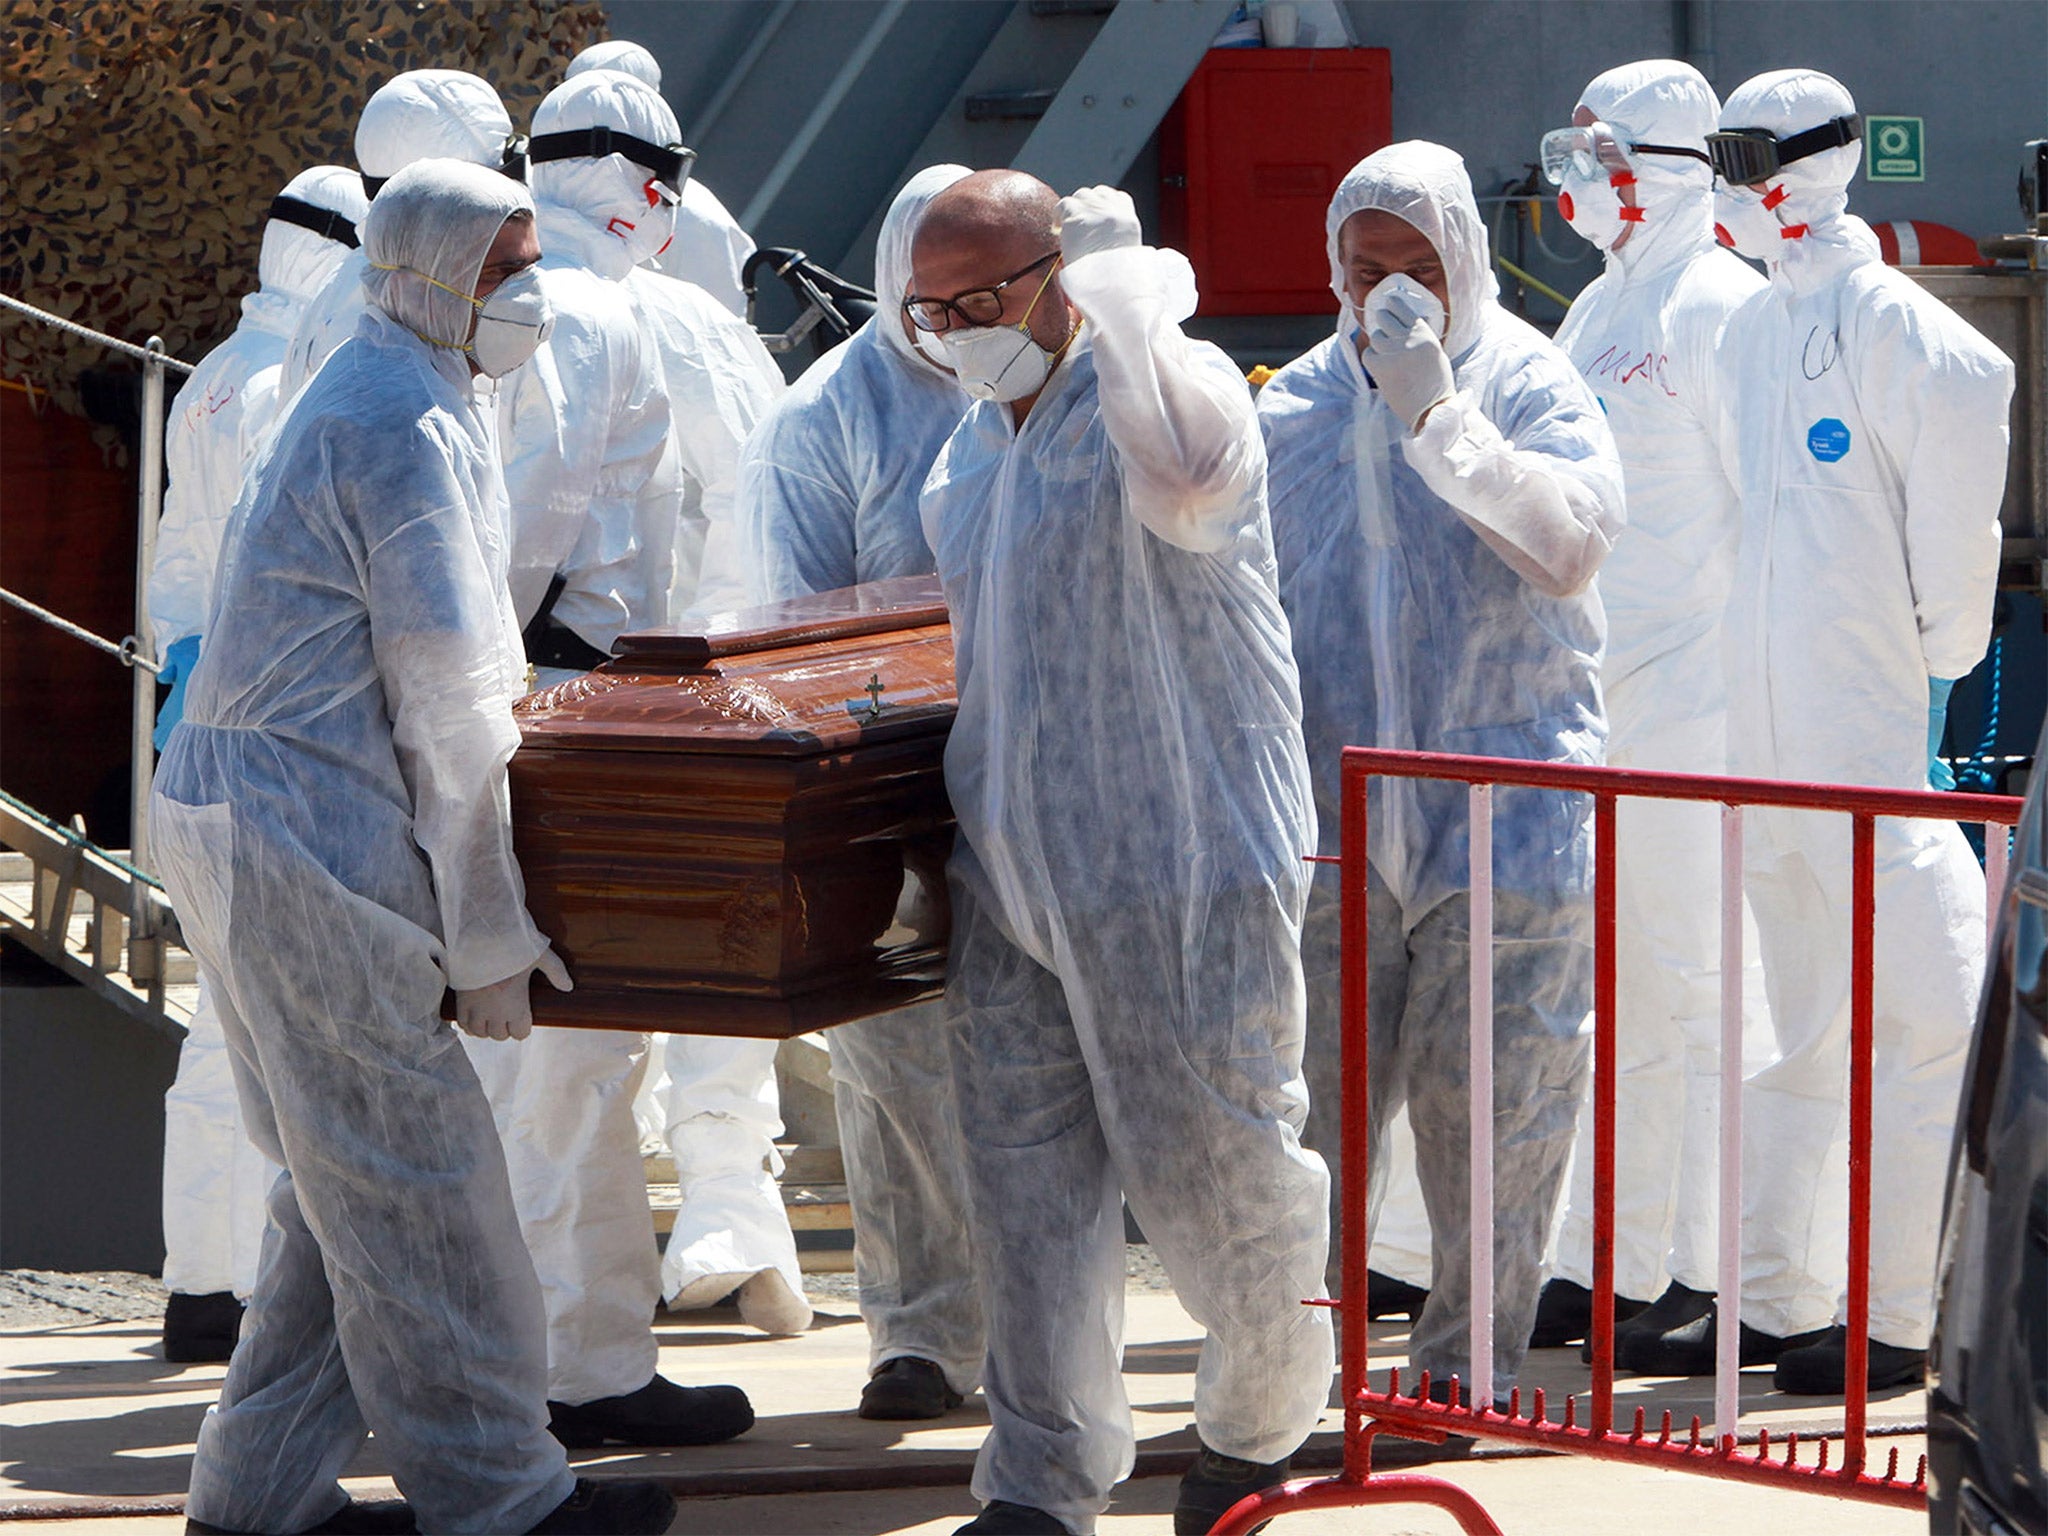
1600	152
1743	157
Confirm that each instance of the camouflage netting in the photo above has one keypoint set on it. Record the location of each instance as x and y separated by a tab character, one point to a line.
141	140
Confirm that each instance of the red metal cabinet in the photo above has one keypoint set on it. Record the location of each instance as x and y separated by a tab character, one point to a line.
1248	158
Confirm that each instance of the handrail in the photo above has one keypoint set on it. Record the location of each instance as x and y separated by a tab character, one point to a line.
87	333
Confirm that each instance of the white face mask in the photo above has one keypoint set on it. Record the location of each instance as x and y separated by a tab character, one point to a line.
648	232
1753	229
1403	296
997	362
510	324
1595	211
930	348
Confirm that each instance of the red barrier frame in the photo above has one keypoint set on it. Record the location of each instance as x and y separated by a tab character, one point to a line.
1368	1413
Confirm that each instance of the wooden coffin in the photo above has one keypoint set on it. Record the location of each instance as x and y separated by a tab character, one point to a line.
744	831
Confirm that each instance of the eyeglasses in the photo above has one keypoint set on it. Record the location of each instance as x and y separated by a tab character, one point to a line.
977	306
1742	157
1599	151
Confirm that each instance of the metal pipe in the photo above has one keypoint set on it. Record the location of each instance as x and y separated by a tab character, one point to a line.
1354	889
148	508
741	68
1862	1001
821	114
1606	850
1480	1135
1728	1303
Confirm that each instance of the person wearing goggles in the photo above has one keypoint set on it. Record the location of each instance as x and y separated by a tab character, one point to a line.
1594	165
423	114
1869	425
599	471
1644	335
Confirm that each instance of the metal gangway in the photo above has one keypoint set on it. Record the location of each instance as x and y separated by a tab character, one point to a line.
98	914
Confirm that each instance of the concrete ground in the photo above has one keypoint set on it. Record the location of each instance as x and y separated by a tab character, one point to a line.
94	1423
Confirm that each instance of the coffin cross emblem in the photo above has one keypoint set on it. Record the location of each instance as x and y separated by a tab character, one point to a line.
874	693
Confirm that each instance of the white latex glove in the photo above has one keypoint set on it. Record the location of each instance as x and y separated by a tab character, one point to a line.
1405	358
503	1010
1098	219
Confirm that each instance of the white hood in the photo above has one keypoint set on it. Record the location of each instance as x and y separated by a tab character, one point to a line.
431	114
1426	185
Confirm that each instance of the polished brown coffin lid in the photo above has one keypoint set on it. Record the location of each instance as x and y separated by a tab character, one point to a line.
811	675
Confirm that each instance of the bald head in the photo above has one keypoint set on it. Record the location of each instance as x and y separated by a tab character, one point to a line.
995	229
1000	213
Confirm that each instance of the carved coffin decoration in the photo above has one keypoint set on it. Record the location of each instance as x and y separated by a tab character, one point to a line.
744	831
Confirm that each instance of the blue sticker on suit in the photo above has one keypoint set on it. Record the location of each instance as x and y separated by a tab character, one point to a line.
1828	440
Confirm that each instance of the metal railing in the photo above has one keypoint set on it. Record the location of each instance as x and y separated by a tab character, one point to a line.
136	651
1472	1407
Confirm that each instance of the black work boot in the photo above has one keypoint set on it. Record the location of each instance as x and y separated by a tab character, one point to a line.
1679	1305
660	1413
1387	1297
611	1507
1214	1483
1564	1314
999	1517
1690	1350
201	1330
908	1387
1821	1369
358	1517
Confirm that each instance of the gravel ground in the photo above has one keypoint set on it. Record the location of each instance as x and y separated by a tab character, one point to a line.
39	1298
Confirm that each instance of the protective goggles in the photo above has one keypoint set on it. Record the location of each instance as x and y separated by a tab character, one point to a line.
1600	151
1742	157
670	163
511	160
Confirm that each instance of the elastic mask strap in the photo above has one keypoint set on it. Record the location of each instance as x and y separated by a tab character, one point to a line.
324	222
468	298
669	162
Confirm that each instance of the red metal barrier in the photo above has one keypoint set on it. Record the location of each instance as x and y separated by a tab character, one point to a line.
1410	1413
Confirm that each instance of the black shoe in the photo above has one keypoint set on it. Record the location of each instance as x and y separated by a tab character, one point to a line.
660	1413
612	1507
1690	1350
1387	1297
1821	1369
907	1387
1564	1314
201	1330
1002	1518
1679	1305
358	1517
1214	1483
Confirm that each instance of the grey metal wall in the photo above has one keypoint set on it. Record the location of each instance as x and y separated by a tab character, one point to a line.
1485	76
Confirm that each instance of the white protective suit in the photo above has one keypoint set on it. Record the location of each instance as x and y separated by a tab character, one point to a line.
1872	428
1646	335
1414	630
828	498
709	249
215	1180
1124	1002
422	114
332	823
619	440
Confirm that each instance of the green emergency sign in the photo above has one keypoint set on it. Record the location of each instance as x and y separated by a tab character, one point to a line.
1895	148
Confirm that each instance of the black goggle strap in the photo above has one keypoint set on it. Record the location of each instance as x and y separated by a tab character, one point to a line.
1672	149
670	163
324	222
512	162
1832	134
1764	150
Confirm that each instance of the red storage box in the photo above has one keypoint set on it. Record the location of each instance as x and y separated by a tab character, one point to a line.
1248	158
